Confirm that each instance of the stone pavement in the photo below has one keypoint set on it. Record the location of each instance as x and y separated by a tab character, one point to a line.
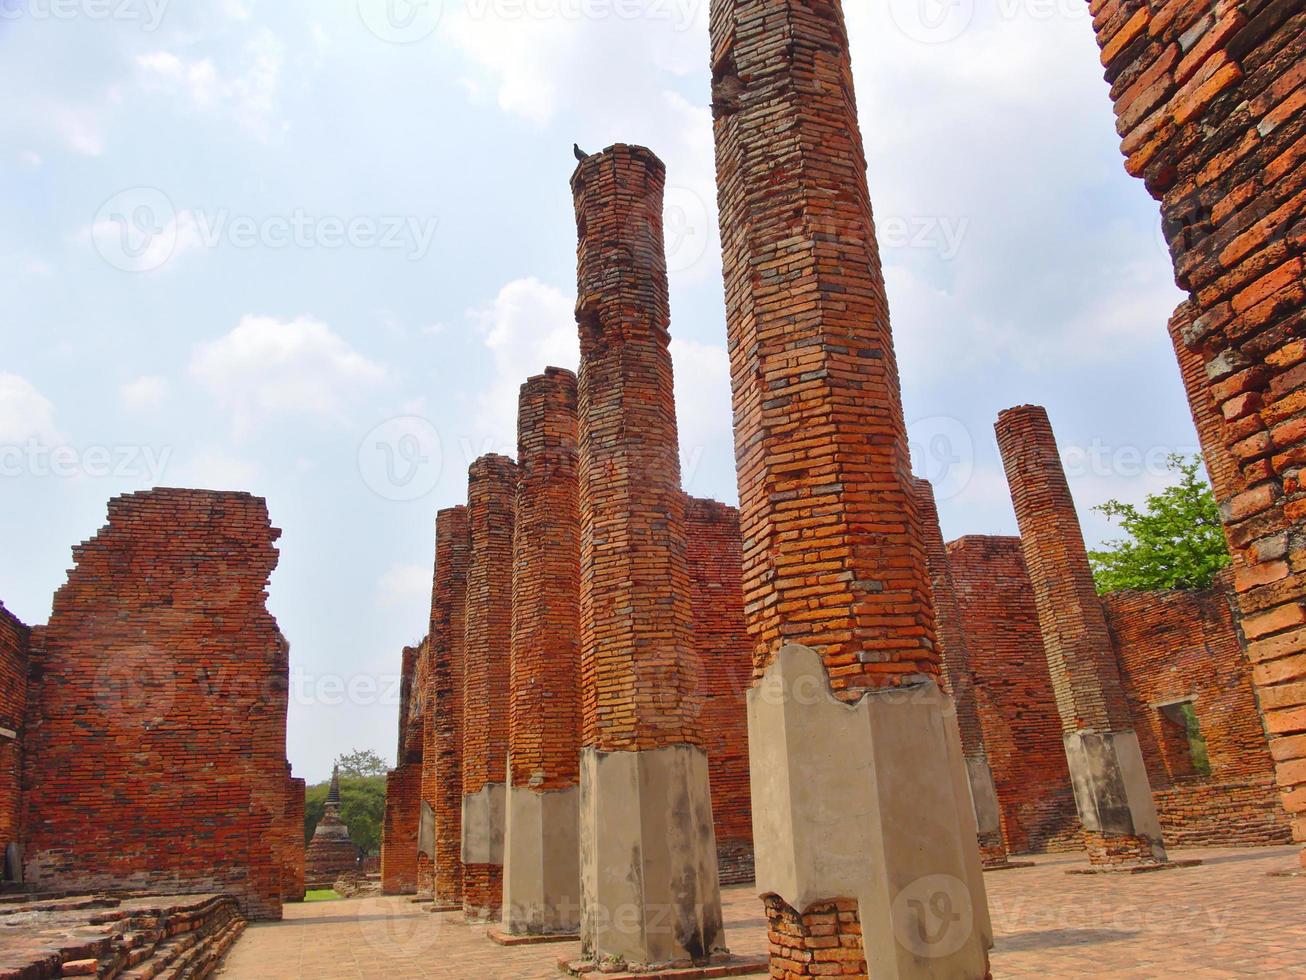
1224	918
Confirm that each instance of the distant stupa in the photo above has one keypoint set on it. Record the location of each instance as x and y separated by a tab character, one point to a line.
330	852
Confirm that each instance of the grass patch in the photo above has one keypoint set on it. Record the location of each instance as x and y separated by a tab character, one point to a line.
321	895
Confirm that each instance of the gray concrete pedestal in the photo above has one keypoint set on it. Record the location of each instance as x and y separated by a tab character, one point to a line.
541	862
648	864
869	801
1112	791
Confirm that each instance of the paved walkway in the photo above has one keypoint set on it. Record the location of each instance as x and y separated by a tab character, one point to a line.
1225	918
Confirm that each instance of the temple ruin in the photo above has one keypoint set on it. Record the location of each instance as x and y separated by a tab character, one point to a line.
628	699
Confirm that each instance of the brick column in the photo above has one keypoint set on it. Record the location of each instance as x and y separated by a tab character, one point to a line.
440	828
1112	792
1206	102
725	670
866	801
648	869
491	496
292	858
542	849
960	681
14	653
399	828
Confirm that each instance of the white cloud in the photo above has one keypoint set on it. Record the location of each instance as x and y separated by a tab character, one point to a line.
37	268
405	584
270	366
145	394
248	94
529	326
25	413
29	158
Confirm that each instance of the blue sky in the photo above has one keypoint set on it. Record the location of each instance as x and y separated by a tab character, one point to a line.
311	248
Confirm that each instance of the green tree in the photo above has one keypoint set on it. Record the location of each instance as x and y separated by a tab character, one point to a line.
362	800
1175	541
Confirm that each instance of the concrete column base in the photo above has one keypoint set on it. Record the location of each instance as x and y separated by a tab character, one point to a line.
541	862
869	801
649	889
483	818
1114	798
988	815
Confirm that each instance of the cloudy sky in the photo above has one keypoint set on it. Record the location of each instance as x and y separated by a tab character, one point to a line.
310	249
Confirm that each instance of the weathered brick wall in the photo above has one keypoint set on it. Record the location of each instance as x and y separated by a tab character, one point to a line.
160	657
637	652
442	782
1177	645
487	643
1018	715
14	637
1208	100
725	670
292	840
544	710
403	787
1221	465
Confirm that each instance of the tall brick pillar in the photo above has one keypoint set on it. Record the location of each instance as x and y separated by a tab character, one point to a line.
1208	102
960	681
858	792
491	497
649	882
541	891
403	784
1112	792
440	829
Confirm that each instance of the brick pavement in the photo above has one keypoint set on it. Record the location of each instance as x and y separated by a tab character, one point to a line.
1224	918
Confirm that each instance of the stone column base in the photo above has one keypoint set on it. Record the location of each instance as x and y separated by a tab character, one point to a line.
868	802
648	864
541	862
1114	798
482	853
988	815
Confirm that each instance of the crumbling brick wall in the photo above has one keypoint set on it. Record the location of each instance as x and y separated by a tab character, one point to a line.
487	643
442	726
725	671
155	748
1179	645
1208	100
292	840
14	639
400	828
1018	715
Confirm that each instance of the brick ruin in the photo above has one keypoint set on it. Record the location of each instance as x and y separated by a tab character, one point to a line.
1208	101
14	640
491	498
159	656
403	785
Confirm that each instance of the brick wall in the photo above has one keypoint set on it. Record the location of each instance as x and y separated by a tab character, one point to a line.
13	700
292	840
1176	645
403	788
637	654
544	711
1018	715
487	642
1209	103
161	657
725	671
442	785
